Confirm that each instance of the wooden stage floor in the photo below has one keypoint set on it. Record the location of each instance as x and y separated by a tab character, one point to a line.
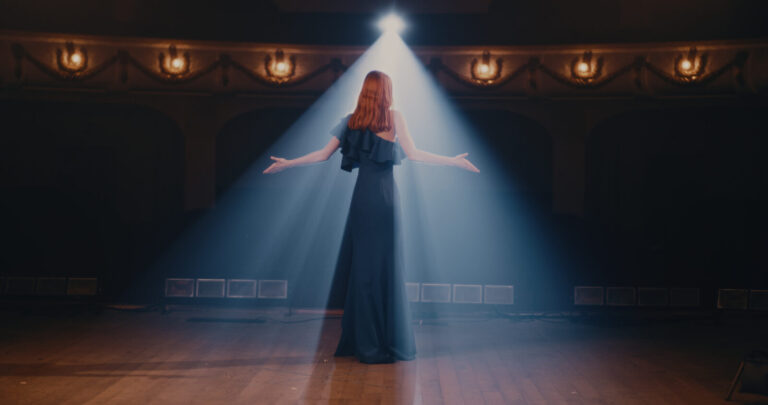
238	356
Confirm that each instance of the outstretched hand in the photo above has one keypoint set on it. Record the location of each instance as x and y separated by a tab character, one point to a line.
279	164
462	162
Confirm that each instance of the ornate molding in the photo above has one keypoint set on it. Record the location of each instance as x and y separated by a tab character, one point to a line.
593	77
63	71
656	69
185	75
167	73
436	65
334	65
698	77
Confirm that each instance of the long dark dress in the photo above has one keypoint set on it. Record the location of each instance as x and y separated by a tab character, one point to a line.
376	326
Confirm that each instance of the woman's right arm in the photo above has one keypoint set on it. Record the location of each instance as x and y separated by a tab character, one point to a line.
418	155
319	155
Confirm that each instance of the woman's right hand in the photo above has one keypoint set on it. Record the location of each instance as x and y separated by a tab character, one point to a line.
279	164
462	162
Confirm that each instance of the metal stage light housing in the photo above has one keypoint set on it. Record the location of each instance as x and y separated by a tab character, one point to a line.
241	288
180	287
684	297
412	291
273	289
82	286
758	300
620	296
468	293
732	298
499	294
20	286
652	296
435	292
51	286
211	288
588	295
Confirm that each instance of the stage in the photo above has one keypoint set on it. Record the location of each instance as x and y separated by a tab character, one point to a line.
208	355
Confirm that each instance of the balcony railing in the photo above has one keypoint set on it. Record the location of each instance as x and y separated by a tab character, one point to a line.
71	63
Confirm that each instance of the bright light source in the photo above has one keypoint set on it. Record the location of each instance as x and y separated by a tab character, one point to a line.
177	63
391	23
76	58
685	64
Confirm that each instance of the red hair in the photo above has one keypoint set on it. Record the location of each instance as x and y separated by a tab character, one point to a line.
372	111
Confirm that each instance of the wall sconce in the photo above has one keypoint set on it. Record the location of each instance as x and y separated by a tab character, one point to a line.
483	70
586	69
174	64
691	66
72	60
280	68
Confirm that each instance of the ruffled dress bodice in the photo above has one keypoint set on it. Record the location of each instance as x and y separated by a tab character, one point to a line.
357	145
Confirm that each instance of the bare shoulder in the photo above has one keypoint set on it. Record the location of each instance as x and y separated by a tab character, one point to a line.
397	115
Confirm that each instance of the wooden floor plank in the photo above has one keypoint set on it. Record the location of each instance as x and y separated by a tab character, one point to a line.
129	358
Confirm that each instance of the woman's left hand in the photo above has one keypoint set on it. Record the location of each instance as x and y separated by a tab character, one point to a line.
279	164
462	162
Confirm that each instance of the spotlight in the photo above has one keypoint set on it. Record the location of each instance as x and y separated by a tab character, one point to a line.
281	67
583	67
685	64
391	23
483	68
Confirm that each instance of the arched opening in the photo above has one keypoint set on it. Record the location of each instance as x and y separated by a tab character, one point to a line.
523	147
244	138
88	189
678	196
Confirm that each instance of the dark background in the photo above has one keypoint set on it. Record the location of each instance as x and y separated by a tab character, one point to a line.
674	196
448	22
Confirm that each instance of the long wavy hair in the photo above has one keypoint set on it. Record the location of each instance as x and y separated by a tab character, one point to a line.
372	111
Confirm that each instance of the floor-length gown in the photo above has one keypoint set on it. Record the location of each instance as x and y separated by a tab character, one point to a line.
376	326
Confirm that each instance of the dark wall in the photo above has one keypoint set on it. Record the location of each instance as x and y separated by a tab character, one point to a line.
245	138
673	197
678	197
504	22
523	148
88	189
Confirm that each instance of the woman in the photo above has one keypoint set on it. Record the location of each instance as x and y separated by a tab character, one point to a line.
376	324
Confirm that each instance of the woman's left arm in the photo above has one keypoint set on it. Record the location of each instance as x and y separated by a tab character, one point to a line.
319	155
419	155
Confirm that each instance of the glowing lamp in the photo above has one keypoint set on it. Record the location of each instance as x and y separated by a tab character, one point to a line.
72	60
391	23
483	70
177	63
279	67
691	66
76	59
586	69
